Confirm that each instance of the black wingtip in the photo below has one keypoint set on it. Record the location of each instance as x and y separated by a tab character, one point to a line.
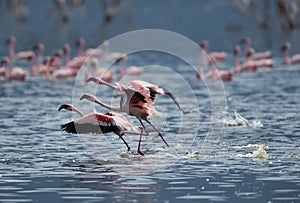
69	127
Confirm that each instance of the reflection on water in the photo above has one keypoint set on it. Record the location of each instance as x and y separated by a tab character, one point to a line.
40	163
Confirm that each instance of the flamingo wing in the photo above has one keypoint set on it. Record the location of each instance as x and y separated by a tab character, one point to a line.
94	123
148	90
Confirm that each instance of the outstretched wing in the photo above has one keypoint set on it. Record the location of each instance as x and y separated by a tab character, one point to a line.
94	123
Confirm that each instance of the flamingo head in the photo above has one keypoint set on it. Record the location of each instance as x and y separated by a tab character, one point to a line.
47	60
121	58
66	48
236	50
5	61
249	52
11	40
246	41
39	47
286	46
59	53
65	106
204	44
80	41
88	97
92	79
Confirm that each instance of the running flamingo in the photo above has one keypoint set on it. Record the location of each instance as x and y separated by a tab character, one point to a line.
97	123
295	59
148	90
257	55
140	97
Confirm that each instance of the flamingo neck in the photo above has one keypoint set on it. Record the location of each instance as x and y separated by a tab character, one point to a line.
77	111
39	58
6	75
203	56
113	108
100	81
32	66
237	63
122	70
68	57
81	49
48	74
12	51
287	59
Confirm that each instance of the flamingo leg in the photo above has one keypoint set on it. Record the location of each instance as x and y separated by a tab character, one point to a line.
159	133
139	146
135	133
177	104
120	136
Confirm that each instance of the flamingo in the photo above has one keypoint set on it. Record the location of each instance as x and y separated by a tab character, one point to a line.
107	55
4	72
140	98
263	62
248	65
255	56
99	72
131	70
67	52
215	74
20	55
40	48
16	74
97	123
88	52
217	56
148	90
53	69
295	59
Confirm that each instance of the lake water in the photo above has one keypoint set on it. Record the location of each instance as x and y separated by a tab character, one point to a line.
40	163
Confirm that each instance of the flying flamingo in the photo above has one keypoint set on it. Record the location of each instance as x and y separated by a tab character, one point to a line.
295	59
148	90
97	123
248	65
257	55
131	70
217	56
140	97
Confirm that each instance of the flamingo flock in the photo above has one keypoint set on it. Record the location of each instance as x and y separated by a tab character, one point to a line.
137	98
